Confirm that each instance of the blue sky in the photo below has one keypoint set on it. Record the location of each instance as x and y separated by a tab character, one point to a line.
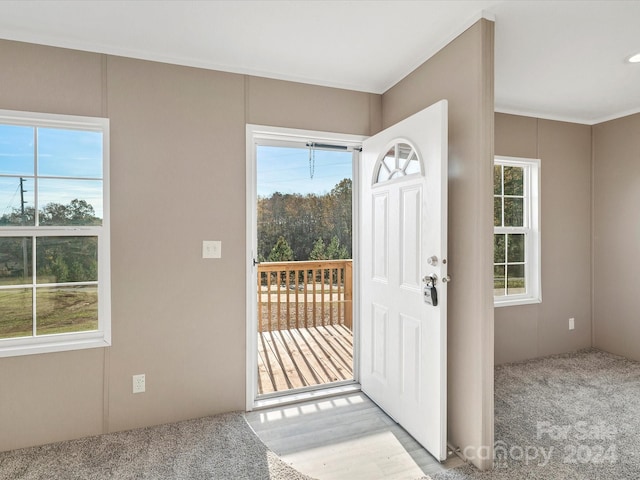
286	170
61	153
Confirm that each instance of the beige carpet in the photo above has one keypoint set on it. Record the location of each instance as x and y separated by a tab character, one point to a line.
565	417
218	447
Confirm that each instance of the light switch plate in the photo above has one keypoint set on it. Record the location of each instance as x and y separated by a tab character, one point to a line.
211	249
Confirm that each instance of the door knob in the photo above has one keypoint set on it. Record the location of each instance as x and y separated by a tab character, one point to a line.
432	260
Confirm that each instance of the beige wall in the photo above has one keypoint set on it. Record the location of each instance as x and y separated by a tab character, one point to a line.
565	152
177	178
616	207
462	73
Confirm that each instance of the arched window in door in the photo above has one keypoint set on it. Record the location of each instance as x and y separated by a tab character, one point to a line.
401	159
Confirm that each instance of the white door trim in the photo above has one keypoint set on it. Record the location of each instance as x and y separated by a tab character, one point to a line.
254	135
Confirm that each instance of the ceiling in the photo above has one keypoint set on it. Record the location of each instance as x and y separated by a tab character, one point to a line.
563	60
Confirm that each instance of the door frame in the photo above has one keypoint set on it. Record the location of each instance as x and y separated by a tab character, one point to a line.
254	135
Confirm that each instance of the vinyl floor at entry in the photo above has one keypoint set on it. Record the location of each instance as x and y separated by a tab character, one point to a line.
344	437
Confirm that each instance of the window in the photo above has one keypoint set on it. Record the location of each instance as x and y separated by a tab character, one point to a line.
54	233
400	160
516	262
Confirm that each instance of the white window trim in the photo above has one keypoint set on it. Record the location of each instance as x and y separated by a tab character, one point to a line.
74	340
532	209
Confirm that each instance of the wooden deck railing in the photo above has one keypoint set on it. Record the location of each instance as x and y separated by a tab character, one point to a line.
304	294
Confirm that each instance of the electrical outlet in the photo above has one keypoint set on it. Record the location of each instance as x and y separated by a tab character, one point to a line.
139	383
211	249
572	323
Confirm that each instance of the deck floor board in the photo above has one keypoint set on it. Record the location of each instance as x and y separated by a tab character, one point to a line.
302	357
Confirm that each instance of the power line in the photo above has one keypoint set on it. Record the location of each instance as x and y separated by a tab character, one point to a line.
11	199
22	201
24	239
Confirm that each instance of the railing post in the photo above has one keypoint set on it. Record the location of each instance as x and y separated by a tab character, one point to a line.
287	286
322	296
259	300
279	278
268	301
339	302
315	276
306	300
297	297
331	296
348	295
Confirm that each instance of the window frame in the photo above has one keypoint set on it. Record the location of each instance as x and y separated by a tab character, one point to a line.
531	230
59	342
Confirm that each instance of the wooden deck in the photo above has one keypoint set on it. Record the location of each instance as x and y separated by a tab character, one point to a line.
302	357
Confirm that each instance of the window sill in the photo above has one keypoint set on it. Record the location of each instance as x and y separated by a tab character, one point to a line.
53	343
512	302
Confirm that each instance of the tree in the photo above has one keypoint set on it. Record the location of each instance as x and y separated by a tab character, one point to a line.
58	259
340	200
335	251
319	251
16	218
303	219
77	212
281	251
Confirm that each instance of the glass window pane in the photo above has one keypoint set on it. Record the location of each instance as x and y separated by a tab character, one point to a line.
16	312
516	248
412	167
497	211
406	163
390	160
498	249
513	212
66	259
15	261
12	212
66	309
404	150
16	150
70	202
513	180
515	280
69	153
498	280
497	180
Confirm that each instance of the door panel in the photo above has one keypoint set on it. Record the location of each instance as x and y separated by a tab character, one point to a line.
379	343
410	358
410	237
403	229
380	238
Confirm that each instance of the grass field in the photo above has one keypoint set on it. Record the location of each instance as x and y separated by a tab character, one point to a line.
59	310
516	285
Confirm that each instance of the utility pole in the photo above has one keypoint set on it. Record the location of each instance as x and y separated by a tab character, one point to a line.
23	222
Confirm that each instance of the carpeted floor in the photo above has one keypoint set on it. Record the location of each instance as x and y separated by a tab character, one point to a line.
220	447
565	417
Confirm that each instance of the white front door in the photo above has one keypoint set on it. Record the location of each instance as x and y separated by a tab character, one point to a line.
403	243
